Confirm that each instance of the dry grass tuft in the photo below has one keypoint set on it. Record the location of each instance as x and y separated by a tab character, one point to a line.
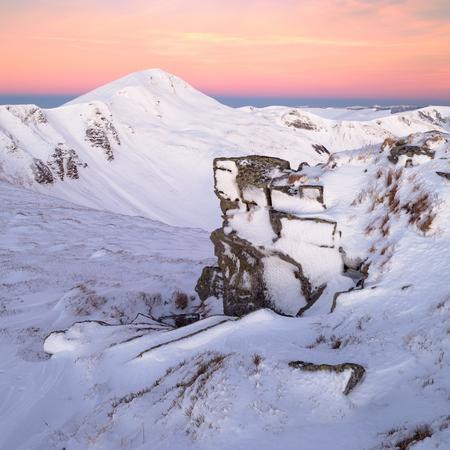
420	212
389	178
388	143
385	226
181	299
419	434
294	177
257	360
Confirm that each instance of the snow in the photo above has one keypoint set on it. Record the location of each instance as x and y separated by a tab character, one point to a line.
168	130
296	205
225	177
254	226
284	288
79	369
319	264
309	231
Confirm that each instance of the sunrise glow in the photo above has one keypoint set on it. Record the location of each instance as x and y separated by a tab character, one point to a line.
338	48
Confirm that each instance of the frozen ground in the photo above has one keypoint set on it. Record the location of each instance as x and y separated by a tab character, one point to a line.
61	263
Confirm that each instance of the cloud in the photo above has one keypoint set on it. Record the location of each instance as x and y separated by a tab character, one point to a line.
77	40
434	10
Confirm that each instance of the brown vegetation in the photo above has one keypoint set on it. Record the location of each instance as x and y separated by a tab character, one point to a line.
181	299
419	434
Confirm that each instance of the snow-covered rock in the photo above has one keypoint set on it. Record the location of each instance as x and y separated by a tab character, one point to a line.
267	257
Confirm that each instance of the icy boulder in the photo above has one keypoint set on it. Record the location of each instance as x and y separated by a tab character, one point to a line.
275	249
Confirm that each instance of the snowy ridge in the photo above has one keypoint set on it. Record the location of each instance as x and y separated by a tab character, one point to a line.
145	132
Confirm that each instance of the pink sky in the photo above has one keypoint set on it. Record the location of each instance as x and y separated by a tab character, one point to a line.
309	48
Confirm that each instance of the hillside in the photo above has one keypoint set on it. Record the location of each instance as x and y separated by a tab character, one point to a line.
144	145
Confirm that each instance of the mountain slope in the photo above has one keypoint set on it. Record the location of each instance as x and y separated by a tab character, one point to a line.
62	263
155	136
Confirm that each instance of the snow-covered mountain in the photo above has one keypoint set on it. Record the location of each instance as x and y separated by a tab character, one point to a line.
96	256
144	145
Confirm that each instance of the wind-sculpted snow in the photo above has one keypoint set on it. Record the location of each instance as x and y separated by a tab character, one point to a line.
150	132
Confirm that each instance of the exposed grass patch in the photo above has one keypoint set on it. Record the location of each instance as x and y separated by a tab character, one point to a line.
419	434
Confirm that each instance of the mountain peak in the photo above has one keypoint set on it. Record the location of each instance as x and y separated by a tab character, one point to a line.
150	81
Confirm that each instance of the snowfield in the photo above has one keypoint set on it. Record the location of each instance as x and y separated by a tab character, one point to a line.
104	206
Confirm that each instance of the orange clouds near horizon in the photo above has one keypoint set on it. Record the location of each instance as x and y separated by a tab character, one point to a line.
310	48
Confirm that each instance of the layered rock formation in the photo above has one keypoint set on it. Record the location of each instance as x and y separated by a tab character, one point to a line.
63	163
276	249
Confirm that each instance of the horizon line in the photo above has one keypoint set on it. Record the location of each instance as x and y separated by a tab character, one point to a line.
54	100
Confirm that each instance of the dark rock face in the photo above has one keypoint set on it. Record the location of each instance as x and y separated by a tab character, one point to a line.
56	162
64	163
42	173
445	175
72	164
320	149
297	120
357	371
100	133
244	288
210	283
99	138
28	114
409	151
180	320
434	117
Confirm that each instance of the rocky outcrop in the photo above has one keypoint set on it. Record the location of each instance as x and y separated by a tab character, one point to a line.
28	114
356	371
445	175
245	269
267	247
415	148
41	172
400	148
297	119
235	178
434	117
64	163
101	133
320	149
210	283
